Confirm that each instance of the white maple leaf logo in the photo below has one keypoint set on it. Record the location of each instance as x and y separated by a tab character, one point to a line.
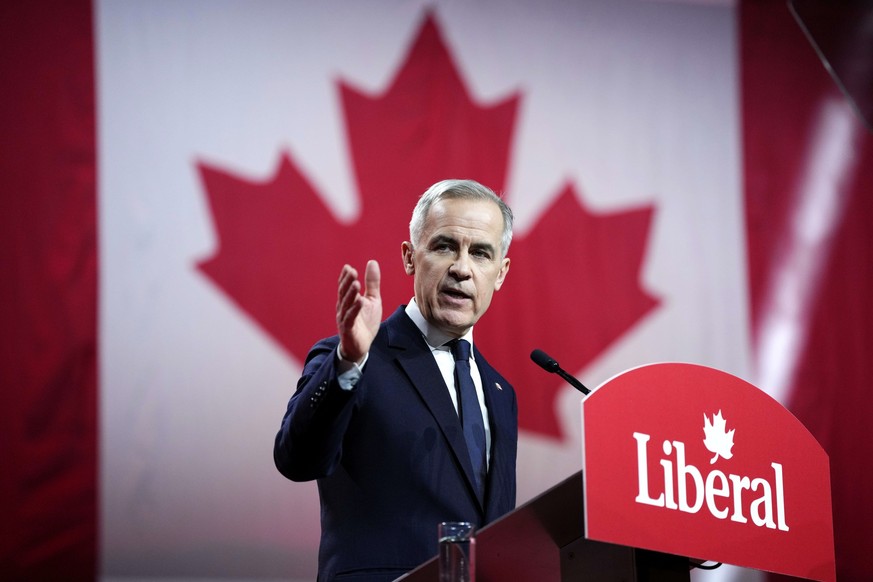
717	440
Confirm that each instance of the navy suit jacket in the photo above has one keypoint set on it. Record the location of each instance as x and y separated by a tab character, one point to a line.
390	455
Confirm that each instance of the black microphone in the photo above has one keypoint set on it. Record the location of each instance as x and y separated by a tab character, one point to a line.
547	363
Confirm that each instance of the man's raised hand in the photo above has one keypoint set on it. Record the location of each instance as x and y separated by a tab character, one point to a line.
358	314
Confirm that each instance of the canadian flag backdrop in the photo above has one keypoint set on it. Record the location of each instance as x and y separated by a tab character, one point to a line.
182	182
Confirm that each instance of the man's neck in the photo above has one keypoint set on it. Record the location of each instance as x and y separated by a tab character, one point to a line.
434	336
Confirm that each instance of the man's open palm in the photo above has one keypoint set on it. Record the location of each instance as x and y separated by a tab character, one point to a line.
358	314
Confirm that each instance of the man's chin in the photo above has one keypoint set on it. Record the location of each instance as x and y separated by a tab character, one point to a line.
453	321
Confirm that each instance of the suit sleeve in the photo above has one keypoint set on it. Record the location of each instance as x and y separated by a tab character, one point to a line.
309	443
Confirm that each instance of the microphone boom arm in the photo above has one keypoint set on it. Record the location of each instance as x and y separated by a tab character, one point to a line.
547	363
572	381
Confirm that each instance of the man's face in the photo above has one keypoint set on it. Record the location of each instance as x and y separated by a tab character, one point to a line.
457	263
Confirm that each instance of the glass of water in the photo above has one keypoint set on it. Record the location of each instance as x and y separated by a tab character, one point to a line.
457	551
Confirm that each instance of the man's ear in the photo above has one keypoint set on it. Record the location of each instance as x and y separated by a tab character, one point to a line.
408	257
501	276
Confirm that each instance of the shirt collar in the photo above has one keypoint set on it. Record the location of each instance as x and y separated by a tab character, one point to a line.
433	336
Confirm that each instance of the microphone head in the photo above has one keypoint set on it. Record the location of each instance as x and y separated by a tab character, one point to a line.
544	361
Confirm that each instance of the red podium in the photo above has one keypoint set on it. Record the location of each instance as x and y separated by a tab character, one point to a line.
681	464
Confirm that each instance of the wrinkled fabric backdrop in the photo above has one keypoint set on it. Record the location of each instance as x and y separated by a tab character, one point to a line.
183	181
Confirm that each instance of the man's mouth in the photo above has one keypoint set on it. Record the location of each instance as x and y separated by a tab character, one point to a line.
454	293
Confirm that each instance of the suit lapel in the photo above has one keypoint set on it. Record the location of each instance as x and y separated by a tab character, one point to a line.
498	400
414	357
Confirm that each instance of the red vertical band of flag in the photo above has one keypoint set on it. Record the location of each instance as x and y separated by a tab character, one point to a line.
784	87
48	294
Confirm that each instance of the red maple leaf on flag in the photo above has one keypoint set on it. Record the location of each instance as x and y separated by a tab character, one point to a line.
573	283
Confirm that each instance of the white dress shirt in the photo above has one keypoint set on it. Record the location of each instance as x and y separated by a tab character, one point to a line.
436	340
348	373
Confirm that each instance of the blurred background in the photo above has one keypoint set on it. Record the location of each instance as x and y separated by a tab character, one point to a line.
182	182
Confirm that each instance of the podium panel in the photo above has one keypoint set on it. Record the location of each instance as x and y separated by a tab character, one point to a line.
689	460
543	541
681	464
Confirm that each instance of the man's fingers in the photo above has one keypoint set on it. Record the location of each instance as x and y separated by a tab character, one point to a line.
355	312
347	288
348	298
372	279
346	318
347	276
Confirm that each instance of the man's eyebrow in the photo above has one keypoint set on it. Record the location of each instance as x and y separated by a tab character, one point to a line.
450	240
442	238
485	246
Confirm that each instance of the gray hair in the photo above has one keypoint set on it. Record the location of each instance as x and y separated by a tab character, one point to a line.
467	189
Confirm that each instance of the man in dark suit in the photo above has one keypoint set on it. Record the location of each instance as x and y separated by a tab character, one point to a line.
400	428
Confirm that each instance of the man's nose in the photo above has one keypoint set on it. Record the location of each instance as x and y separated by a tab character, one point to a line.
460	268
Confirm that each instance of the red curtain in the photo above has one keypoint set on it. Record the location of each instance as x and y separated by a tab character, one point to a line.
48	294
784	87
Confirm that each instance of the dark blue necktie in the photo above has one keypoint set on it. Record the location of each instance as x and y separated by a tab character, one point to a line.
470	413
